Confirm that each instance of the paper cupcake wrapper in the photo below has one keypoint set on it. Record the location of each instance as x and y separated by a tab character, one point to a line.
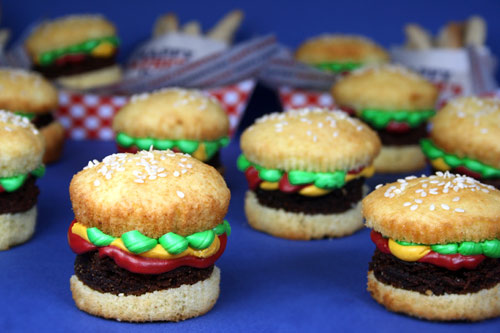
90	116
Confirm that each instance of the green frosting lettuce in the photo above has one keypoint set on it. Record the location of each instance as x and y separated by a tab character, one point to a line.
173	243
433	152
339	67
186	146
28	115
11	184
490	248
379	119
137	243
86	47
323	180
99	238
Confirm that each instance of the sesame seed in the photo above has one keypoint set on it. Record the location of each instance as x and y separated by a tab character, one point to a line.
445	207
414	207
176	174
139	180
378	186
97	182
180	194
459	210
432	207
455	199
406	204
418	201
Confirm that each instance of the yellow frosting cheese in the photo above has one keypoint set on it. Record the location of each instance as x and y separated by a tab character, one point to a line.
158	252
200	153
313	191
366	172
408	253
104	49
440	164
269	186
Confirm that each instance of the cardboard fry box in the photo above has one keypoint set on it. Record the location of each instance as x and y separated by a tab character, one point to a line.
90	116
171	60
456	72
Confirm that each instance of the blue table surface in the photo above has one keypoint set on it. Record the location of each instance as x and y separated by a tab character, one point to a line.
268	284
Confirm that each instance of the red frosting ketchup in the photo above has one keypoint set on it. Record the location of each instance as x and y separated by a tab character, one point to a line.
142	265
452	262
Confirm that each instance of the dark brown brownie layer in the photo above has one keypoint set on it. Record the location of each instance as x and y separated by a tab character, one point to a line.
215	161
21	200
337	201
412	137
422	277
102	274
43	119
88	64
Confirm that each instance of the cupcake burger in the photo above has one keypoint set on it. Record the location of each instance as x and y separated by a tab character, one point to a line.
396	103
148	229
437	247
340	53
465	138
79	51
21	151
306	171
183	120
31	96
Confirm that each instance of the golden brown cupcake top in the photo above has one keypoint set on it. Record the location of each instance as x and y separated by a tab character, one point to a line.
385	87
67	31
154	192
469	127
315	140
341	48
175	114
439	209
26	92
21	145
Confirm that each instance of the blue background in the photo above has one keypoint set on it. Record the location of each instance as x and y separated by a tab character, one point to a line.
268	284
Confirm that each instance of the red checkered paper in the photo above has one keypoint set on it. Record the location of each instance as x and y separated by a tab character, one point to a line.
292	98
298	98
90	116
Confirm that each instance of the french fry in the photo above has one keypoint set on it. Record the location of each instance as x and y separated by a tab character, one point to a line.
4	37
192	28
165	24
475	31
417	38
451	35
224	30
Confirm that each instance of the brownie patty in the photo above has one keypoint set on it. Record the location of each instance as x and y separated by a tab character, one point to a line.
20	200
422	277
215	161
412	137
102	274
337	201
89	63
42	119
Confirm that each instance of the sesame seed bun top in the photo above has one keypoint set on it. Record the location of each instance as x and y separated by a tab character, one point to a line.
314	140
385	87
154	192
173	113
25	91
340	48
469	127
439	209
67	31
21	145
